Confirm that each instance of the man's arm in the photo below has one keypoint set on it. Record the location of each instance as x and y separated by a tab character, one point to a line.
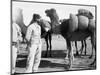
28	34
19	35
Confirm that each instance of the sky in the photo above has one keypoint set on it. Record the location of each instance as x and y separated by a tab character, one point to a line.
63	11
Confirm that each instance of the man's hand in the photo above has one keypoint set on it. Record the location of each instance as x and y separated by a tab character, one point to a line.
47	29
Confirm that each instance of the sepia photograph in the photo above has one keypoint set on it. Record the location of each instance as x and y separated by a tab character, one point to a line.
52	37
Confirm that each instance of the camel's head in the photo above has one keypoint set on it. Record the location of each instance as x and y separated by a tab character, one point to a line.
52	14
91	15
17	15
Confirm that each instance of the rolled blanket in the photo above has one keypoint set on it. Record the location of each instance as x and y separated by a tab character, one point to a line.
83	22
73	22
86	13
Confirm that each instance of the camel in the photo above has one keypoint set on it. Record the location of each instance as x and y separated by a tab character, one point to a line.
77	35
84	45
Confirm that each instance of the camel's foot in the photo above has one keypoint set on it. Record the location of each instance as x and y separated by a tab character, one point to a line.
46	55
68	64
77	54
66	58
50	55
84	53
71	62
90	56
93	64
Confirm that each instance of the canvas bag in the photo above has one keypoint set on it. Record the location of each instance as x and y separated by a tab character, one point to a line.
83	22
45	24
90	16
73	23
78	22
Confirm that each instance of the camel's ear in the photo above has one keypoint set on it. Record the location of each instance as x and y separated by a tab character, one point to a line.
91	15
53	10
46	11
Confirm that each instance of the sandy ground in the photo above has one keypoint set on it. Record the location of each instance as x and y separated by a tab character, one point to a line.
57	62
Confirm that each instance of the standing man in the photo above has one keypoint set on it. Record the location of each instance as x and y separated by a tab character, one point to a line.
16	37
33	38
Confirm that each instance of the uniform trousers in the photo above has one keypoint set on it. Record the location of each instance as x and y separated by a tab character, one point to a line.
34	58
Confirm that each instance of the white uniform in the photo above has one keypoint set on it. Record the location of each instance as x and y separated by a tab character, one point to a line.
33	35
16	36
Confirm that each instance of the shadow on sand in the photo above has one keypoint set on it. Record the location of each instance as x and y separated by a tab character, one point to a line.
22	62
46	63
55	54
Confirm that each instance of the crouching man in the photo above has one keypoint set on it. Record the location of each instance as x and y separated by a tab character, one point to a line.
16	39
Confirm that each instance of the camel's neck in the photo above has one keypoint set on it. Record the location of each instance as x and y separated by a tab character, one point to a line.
54	22
21	24
55	25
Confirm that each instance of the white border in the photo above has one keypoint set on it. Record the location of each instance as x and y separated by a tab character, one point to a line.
5	37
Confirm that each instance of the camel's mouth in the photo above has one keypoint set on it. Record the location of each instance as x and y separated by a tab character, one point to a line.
47	13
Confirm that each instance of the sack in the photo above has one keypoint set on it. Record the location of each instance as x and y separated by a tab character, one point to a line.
92	25
73	22
83	22
45	24
86	13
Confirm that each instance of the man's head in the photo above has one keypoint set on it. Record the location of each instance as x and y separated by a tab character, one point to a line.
36	17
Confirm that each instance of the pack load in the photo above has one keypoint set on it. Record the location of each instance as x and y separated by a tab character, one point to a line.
83	22
45	24
86	13
73	22
92	24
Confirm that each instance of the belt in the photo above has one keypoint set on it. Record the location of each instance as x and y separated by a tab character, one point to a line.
14	43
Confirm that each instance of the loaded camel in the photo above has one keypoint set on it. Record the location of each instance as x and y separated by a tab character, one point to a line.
72	30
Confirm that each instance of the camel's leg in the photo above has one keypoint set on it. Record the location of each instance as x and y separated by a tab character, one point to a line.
94	61
81	50
50	38
70	53
93	40
72	56
85	46
66	51
46	39
77	54
91	53
92	50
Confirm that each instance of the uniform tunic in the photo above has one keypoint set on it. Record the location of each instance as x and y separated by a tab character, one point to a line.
33	35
